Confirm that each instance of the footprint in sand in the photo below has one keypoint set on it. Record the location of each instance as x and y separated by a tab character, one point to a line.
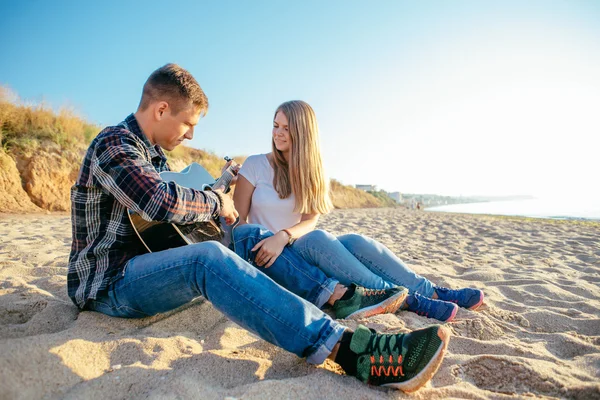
514	376
480	327
567	346
25	312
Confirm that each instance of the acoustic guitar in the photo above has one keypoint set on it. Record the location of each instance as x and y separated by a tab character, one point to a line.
158	236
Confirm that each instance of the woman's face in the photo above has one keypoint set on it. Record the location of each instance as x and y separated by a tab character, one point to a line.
281	133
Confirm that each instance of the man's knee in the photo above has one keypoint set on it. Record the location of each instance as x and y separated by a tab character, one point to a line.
209	250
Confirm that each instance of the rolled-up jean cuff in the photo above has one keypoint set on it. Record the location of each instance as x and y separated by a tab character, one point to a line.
325	349
430	290
425	288
328	288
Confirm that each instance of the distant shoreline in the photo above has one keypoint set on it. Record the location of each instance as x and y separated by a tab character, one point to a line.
530	208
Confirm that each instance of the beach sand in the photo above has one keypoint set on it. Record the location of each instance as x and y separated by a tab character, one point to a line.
537	335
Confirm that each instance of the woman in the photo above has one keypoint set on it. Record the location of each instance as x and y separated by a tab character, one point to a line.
286	191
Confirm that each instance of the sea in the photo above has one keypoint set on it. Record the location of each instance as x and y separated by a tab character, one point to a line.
576	208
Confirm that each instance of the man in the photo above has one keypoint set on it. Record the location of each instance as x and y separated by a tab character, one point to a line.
109	272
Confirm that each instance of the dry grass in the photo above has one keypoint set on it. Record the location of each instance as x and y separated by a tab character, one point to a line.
27	127
344	196
183	155
33	128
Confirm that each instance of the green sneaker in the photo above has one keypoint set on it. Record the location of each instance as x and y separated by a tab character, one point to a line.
402	361
367	302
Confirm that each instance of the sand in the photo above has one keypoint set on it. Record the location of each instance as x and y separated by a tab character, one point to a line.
537	335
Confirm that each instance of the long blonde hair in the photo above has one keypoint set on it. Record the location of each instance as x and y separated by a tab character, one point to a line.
304	176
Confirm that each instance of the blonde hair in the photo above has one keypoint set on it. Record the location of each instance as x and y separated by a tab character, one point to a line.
304	176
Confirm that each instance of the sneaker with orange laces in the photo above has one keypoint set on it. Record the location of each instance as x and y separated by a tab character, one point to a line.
404	361
367	302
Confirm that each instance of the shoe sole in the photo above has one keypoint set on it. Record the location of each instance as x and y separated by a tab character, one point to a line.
480	302
451	317
430	369
388	306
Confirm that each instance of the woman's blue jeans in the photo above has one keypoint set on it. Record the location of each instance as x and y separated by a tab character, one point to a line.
159	282
290	270
358	259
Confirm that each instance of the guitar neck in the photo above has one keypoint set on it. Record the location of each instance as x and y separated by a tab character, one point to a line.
225	180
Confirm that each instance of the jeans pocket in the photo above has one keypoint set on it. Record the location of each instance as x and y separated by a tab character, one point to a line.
104	304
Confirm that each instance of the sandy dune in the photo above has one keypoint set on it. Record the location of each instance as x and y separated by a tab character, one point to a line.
537	335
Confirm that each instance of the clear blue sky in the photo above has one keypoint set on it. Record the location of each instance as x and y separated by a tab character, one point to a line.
462	97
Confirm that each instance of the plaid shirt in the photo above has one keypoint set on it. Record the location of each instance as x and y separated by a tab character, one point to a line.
120	171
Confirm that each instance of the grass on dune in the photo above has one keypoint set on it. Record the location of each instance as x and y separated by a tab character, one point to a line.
26	128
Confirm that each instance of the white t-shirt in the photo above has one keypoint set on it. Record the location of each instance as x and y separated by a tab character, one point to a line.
267	208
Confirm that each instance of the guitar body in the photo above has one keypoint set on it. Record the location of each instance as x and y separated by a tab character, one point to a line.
158	236
194	176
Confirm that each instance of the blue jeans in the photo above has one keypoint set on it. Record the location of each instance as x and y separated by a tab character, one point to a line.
159	282
358	259
290	270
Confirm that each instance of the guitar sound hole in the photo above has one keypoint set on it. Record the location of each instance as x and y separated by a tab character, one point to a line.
162	237
201	232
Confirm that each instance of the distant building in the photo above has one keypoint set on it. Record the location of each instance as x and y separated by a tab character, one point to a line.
366	188
396	196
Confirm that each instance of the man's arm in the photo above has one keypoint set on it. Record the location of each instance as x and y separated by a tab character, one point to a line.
123	171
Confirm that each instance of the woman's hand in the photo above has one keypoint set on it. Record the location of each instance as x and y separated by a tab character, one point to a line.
269	249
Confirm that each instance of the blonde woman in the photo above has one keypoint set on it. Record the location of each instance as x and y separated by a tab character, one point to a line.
286	191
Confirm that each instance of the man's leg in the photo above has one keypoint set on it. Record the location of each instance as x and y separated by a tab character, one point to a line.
159	282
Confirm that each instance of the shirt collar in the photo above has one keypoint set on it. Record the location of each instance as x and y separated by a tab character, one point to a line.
133	126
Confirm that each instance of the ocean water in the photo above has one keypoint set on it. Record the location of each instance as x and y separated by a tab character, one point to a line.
558	208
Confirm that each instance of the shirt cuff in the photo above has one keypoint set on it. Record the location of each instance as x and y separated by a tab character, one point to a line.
218	203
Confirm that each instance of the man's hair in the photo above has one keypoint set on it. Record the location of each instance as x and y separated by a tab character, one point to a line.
176	86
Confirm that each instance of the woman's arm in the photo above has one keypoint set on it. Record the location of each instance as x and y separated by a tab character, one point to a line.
242	198
270	248
307	223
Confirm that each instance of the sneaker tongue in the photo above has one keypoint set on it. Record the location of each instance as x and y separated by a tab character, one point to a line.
360	339
412	302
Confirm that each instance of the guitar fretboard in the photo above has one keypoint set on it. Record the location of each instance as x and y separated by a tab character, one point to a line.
225	180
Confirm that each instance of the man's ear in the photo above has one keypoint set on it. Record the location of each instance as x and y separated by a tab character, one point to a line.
160	109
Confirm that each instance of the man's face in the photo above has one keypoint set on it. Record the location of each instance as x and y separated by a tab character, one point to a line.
171	129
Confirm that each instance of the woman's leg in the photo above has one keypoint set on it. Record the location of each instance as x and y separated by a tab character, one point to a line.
322	249
289	270
381	261
384	263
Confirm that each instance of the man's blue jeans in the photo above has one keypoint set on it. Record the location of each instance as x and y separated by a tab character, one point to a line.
358	259
159	282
